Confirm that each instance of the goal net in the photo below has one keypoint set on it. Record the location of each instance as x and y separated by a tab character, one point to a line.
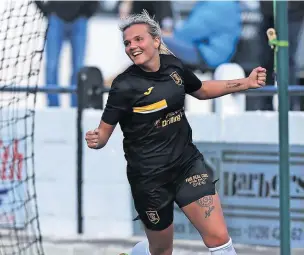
22	39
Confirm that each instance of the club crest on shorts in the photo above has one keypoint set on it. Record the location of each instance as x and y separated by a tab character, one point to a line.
176	78
153	216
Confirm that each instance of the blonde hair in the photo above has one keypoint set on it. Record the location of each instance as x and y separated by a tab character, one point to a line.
154	28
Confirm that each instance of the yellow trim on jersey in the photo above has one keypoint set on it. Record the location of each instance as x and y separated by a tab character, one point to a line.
151	107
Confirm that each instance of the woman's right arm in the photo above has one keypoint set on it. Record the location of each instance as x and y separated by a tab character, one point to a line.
118	104
98	138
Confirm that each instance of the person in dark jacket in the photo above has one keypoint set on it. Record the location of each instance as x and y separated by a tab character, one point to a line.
67	20
160	10
295	21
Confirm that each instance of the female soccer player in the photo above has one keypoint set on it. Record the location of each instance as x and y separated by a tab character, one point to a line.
163	165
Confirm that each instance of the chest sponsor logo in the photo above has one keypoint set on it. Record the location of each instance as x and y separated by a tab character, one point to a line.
176	78
169	119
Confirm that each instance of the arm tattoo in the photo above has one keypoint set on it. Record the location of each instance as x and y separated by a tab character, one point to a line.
208	203
233	85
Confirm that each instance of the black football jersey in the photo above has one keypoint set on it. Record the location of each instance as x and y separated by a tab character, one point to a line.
149	106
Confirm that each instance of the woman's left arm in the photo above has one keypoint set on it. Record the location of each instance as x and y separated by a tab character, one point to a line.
215	88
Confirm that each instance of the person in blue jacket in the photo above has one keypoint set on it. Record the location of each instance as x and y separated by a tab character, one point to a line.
209	35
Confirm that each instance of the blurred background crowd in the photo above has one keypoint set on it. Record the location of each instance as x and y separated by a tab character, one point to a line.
203	34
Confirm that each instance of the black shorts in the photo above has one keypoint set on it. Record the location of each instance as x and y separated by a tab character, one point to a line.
155	206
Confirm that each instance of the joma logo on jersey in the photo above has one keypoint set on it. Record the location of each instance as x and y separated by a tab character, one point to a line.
148	92
176	78
197	180
153	216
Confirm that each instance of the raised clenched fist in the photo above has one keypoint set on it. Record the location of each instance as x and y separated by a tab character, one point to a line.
92	138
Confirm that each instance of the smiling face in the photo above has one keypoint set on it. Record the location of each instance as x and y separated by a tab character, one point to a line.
141	47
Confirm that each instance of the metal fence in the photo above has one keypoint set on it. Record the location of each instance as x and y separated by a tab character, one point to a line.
88	87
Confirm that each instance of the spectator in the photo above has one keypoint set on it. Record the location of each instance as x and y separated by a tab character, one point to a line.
209	36
295	21
67	20
161	10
